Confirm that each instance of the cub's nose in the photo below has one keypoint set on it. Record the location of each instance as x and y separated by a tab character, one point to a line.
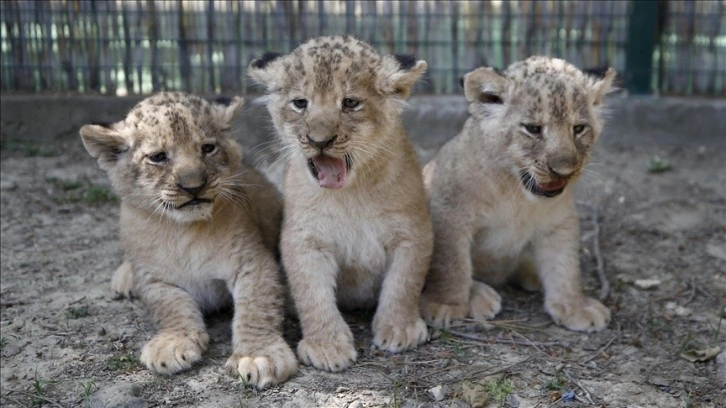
321	144
193	190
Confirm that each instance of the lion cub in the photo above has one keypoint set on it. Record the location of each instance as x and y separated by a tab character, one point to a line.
501	196
199	229
357	230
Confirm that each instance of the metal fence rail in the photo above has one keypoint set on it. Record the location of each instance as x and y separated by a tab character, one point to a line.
134	46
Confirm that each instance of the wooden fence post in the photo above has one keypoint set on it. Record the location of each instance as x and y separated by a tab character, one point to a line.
642	37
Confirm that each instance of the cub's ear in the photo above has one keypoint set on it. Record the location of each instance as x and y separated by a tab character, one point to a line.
600	83
485	85
266	71
226	109
398	73
103	144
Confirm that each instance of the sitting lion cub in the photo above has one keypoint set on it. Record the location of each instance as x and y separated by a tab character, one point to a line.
501	195
357	230
199	229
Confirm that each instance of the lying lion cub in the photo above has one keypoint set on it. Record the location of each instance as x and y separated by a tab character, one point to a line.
356	231
199	229
501	195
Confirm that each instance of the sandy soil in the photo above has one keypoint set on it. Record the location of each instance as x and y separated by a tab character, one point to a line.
662	236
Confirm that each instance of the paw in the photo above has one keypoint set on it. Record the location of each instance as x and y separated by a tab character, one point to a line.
440	314
122	282
173	351
330	353
587	315
484	302
394	337
268	365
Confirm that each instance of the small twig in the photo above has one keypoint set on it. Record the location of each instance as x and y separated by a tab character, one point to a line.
599	264
587	393
38	396
77	300
500	340
703	292
600	350
483	373
556	401
530	343
693	292
13	303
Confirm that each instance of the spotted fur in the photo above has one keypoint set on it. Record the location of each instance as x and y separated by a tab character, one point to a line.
199	229
501	197
364	238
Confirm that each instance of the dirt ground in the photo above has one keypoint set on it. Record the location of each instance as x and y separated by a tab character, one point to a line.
66	342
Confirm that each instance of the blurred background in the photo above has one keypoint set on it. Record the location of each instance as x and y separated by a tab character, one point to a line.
127	47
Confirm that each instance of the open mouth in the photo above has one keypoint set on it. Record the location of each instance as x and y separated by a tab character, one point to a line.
195	201
330	172
551	189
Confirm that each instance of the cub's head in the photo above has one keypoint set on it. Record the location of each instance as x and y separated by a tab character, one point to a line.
545	113
335	102
171	156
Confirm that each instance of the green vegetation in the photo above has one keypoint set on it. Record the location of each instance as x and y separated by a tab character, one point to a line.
657	164
557	382
499	389
83	191
122	361
87	388
28	149
40	389
77	313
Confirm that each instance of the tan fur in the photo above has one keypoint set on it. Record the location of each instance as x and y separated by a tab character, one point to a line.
185	260
488	225
369	242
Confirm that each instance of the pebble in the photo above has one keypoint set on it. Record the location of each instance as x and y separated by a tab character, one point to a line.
438	392
647	284
8	185
121	395
475	395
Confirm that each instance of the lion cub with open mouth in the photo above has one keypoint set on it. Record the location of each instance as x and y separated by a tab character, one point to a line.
501	196
356	230
199	230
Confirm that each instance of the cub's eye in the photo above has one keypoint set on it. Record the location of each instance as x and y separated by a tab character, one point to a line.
300	103
208	148
350	103
534	130
158	157
578	129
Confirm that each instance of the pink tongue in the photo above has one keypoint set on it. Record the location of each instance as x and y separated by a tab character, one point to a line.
553	186
331	171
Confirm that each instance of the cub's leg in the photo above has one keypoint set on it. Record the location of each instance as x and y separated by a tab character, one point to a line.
122	282
181	337
558	267
526	274
327	341
451	293
260	357
397	324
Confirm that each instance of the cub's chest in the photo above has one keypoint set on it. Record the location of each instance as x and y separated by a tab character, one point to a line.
507	228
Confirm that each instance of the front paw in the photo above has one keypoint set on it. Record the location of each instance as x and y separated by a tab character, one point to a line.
122	282
484	302
172	351
440	314
395	336
267	365
586	315
330	353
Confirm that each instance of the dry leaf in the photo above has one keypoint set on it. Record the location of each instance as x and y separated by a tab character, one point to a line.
701	355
